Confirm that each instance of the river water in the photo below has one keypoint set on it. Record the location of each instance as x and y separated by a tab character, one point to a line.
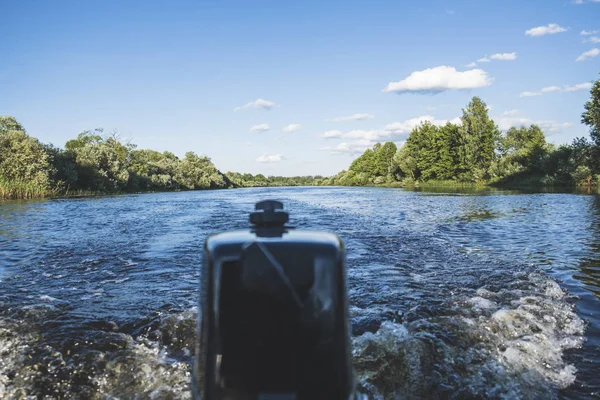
452	295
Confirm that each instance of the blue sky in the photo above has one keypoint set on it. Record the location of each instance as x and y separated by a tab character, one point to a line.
186	75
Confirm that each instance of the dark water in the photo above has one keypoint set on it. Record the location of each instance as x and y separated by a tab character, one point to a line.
485	295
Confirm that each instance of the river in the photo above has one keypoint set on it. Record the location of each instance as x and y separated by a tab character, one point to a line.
489	294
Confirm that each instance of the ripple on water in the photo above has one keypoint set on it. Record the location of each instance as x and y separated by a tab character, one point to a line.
448	299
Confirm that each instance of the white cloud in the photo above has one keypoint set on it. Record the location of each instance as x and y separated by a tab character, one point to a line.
549	89
260	128
593	39
331	134
391	131
588	33
355	147
565	88
270	158
588	54
372	135
292	128
498	56
440	79
550	29
355	117
364	139
504	56
510	113
585	1
509	119
530	94
258	103
579	86
410	124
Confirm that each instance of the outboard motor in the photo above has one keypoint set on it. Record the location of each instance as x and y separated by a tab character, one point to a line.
274	314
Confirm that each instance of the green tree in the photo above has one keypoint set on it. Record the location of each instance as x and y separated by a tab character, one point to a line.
479	139
383	159
526	146
25	166
591	115
102	161
366	162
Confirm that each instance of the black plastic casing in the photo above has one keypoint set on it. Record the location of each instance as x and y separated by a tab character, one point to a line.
273	321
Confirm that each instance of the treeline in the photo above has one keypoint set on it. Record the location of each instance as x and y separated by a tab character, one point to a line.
475	151
96	163
249	180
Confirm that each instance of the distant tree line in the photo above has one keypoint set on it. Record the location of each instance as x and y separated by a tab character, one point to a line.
249	180
475	151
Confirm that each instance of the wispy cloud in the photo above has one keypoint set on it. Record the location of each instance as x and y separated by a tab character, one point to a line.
506	122
363	139
588	54
530	94
498	56
592	39
585	1
260	128
270	158
292	128
588	33
440	79
331	134
258	103
549	89
580	86
355	147
504	56
410	124
565	88
355	117
549	29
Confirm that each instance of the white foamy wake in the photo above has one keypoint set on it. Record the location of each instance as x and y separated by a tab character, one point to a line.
508	343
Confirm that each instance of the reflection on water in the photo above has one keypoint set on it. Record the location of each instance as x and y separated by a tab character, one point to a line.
453	292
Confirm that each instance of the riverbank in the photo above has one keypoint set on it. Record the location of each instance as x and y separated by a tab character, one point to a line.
29	193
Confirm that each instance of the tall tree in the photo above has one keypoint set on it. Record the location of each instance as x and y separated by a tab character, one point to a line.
480	137
591	115
383	158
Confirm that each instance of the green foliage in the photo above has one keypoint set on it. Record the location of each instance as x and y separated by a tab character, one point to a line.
25	166
526	146
476	152
94	163
479	137
473	152
249	180
591	115
102	162
374	167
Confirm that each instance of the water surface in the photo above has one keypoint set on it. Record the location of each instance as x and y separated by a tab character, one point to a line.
453	295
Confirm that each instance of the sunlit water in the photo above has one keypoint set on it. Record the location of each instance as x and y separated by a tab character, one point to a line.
482	295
